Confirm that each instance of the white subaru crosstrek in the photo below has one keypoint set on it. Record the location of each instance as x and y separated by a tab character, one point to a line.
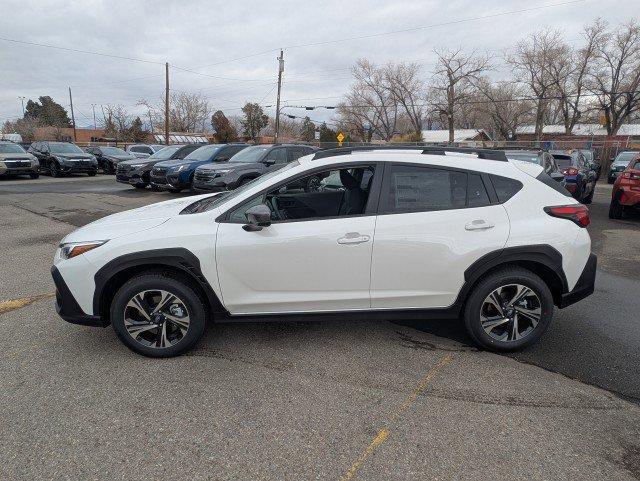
434	233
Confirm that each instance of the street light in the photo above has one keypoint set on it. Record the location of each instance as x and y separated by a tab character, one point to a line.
22	101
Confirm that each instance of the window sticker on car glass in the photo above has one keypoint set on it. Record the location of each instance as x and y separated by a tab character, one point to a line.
417	190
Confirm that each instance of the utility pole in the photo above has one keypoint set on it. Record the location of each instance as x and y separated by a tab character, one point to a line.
22	100
73	119
95	125
280	70
166	105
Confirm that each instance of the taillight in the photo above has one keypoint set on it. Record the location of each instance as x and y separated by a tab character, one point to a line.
630	176
576	213
570	171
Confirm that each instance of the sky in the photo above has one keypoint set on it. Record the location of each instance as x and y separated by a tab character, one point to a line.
233	46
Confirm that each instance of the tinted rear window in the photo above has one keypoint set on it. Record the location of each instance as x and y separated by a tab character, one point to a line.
563	160
505	187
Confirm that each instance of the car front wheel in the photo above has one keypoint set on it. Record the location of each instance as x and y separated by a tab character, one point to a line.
616	209
158	314
508	310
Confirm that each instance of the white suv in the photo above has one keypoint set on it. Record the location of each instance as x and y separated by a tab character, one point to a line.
391	234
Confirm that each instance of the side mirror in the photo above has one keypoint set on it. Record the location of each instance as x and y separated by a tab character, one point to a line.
269	161
258	216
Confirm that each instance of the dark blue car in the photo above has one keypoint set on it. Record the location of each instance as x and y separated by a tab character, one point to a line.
177	175
580	178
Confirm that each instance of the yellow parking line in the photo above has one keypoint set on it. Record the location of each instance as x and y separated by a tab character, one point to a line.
13	304
383	434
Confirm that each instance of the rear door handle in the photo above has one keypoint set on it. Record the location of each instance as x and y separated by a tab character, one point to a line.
353	238
479	224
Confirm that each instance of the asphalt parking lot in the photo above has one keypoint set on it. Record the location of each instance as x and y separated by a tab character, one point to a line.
329	400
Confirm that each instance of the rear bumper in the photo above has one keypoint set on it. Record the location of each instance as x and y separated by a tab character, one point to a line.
585	285
68	308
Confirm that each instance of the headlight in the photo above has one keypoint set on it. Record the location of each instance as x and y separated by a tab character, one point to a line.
62	159
73	249
137	166
223	171
180	168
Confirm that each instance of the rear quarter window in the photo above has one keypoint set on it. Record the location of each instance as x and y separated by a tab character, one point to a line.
554	184
505	187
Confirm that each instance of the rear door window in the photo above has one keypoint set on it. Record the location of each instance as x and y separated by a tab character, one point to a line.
422	189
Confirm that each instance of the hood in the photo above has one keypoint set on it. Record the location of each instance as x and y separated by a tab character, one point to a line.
119	158
17	156
131	221
79	155
229	165
176	162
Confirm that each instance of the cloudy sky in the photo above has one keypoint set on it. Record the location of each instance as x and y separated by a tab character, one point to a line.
233	45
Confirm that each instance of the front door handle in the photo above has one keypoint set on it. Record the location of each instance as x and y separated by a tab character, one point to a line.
479	224
353	238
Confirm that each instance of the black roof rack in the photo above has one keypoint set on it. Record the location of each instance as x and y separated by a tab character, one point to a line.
486	154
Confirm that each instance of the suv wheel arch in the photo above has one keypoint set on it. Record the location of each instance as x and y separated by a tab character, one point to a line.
179	261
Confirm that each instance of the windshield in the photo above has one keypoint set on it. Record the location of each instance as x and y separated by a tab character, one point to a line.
204	153
11	149
626	157
588	155
563	160
250	154
166	153
113	151
215	201
65	148
527	157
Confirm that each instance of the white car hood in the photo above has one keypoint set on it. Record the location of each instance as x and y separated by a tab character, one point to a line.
131	221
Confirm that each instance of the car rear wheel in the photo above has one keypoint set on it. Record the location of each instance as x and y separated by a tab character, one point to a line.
588	199
508	310
616	209
54	170
158	315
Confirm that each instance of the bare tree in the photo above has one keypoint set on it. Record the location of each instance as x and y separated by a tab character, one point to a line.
188	112
503	105
26	127
453	82
571	69
409	90
116	121
616	77
531	61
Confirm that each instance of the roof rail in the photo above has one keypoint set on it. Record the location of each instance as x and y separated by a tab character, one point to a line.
486	154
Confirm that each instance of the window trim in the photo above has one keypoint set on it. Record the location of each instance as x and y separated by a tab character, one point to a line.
484	177
370	209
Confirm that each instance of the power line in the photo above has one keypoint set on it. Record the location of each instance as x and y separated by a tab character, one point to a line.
76	50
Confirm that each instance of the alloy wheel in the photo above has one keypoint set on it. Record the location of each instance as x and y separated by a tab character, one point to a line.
156	318
510	312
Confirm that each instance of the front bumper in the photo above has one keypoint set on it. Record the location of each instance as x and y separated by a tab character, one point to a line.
68	308
78	168
585	285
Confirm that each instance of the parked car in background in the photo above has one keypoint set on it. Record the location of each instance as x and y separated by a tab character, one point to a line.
591	158
61	158
109	157
14	160
430	236
626	190
619	163
540	157
136	172
142	151
177	175
249	164
579	178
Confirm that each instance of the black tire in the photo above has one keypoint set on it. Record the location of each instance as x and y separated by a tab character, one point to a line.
34	175
174	190
609	181
588	199
616	209
507	277
91	174
54	170
140	186
169	282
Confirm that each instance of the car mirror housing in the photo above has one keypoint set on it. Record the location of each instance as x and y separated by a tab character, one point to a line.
269	161
258	216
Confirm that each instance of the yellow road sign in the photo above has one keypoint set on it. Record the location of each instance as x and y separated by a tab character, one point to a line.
340	137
